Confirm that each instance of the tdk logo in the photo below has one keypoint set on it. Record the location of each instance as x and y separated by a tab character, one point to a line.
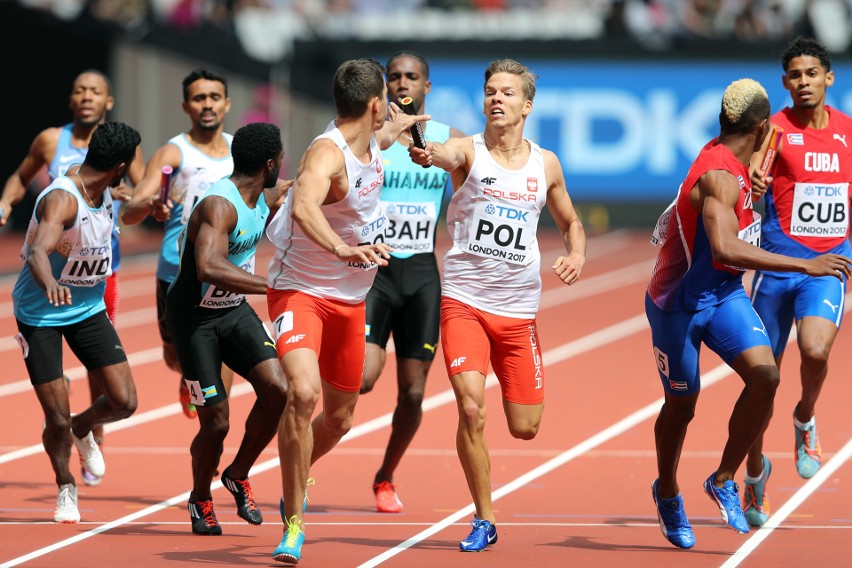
407	209
507	212
373	226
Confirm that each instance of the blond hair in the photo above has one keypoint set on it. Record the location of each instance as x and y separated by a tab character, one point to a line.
744	104
513	67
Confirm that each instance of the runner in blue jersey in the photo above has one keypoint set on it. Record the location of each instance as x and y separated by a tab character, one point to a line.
199	157
60	293
405	299
61	149
212	323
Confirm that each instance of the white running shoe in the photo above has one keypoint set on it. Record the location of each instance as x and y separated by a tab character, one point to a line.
90	454
66	505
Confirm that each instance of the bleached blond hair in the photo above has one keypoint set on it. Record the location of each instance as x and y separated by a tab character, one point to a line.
744	104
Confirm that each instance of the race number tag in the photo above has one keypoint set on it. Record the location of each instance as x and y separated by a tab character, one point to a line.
503	233
820	210
661	229
87	266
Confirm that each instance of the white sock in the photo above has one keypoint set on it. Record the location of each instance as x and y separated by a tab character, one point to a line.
805	425
753	480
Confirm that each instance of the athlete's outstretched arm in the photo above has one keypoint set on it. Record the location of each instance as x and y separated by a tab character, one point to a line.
569	267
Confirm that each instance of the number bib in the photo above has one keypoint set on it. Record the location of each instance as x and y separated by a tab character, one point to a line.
820	210
87	266
750	234
217	299
194	190
503	233
411	226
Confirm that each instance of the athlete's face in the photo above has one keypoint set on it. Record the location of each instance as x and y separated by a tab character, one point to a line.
206	104
90	100
406	78
271	178
806	80
505	103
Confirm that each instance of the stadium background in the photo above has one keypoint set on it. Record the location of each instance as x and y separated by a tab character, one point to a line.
628	92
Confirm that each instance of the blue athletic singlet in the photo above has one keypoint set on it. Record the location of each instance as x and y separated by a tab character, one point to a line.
186	289
196	173
411	196
67	155
81	261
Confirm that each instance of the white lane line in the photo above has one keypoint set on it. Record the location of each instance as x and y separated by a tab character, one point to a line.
790	505
614	332
623	425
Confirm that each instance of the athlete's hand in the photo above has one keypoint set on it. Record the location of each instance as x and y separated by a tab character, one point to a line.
835	265
378	253
568	268
57	294
121	192
159	210
759	185
421	156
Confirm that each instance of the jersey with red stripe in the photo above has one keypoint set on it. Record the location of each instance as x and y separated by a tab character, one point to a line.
807	205
685	277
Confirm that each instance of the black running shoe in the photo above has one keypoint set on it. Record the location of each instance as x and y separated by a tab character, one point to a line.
203	518
244	497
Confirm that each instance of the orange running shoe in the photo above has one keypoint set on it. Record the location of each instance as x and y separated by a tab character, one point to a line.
387	501
186	401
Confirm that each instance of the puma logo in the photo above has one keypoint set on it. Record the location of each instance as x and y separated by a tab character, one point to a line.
270	344
431	348
842	138
763	330
829	304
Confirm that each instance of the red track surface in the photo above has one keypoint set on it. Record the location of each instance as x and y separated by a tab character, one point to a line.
579	494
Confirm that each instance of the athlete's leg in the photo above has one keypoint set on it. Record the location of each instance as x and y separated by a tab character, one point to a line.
469	389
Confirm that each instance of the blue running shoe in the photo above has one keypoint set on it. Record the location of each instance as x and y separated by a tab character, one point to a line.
728	501
755	498
483	534
808	451
672	517
289	551
308	483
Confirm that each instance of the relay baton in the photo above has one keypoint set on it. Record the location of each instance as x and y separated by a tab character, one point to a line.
771	151
407	104
165	183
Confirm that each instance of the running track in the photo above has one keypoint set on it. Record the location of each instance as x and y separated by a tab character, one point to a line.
579	494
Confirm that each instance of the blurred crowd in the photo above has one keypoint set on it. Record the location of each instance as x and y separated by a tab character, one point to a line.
267	28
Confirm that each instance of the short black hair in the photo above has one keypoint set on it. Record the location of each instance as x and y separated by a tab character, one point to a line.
112	143
806	46
97	72
414	55
197	74
356	82
253	145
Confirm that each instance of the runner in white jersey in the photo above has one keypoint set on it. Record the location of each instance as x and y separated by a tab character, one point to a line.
59	293
61	149
198	158
329	241
491	276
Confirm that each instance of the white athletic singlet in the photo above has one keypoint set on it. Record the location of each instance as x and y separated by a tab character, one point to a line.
494	264
301	264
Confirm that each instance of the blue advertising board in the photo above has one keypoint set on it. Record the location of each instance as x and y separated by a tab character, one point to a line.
622	130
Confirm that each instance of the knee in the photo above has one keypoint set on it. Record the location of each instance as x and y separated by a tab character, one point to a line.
410	401
526	431
682	413
368	381
472	416
815	355
766	382
57	422
339	423
218	426
303	400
